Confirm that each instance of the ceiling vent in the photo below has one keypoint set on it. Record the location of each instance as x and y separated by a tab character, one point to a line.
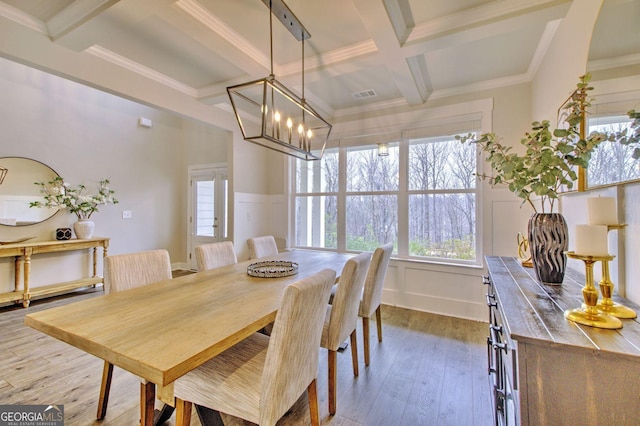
370	93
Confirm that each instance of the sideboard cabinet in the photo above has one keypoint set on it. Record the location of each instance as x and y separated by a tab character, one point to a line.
23	253
547	370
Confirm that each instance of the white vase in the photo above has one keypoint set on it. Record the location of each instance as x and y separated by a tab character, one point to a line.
83	229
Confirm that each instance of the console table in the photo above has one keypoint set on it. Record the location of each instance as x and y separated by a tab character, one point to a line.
23	253
547	370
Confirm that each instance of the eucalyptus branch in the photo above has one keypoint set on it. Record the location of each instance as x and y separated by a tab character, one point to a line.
551	157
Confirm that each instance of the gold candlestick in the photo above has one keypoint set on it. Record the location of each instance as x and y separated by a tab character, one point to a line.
523	251
588	314
607	305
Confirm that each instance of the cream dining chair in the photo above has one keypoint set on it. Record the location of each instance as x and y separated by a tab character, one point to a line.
215	255
261	377
372	294
122	272
341	319
262	247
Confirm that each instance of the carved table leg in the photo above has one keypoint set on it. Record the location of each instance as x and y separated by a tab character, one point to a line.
26	298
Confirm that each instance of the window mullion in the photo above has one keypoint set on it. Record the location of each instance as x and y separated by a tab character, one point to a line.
403	199
342	189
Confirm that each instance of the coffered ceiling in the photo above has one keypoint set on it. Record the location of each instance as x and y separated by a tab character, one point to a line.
362	54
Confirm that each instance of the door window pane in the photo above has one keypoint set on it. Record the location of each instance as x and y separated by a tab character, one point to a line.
205	208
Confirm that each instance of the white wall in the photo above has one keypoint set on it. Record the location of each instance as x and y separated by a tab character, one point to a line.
256	215
565	59
86	135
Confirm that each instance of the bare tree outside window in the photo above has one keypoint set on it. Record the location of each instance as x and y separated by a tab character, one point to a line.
612	162
371	199
316	206
442	199
434	200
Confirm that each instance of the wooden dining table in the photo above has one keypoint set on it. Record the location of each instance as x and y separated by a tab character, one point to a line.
162	331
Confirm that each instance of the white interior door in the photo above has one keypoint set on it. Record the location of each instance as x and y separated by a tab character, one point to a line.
208	208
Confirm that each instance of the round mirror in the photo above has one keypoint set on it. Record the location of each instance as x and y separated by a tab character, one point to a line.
17	189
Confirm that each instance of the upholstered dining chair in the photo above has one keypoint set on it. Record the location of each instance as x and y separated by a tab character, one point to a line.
122	272
215	255
341	319
262	247
372	294
261	377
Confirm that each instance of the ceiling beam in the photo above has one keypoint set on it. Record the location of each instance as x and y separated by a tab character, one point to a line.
375	19
399	12
74	15
240	51
481	15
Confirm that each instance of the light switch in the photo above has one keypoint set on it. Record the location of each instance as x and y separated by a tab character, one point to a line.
126	214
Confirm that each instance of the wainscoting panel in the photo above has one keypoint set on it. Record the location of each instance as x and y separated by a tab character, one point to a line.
442	289
255	215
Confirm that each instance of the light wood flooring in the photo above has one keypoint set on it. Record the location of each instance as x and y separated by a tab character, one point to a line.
429	370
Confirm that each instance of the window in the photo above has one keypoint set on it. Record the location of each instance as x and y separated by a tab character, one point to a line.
371	197
316	203
611	162
422	197
442	198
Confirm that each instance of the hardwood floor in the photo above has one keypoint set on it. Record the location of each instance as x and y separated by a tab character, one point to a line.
429	370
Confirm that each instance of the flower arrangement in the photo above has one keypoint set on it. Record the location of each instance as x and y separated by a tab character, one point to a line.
551	157
58	193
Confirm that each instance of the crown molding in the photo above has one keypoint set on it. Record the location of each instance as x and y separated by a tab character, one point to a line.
619	61
19	17
335	56
140	69
201	14
74	15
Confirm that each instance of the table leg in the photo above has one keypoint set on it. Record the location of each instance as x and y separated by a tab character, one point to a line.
161	416
208	416
147	401
95	262
26	298
18	272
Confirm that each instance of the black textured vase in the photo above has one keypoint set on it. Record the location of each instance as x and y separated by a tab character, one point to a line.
548	241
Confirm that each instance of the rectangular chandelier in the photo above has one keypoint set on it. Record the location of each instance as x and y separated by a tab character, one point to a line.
273	116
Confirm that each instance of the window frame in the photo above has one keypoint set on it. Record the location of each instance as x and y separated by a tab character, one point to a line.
444	117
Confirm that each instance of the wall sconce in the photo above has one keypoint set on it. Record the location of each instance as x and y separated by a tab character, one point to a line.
3	173
383	150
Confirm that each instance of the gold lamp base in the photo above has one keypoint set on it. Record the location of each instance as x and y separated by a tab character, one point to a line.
606	305
597	319
588	314
617	310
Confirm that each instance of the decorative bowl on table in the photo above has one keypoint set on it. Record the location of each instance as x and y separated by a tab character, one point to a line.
272	269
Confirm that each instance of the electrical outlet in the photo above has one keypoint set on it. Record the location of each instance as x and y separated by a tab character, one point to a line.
126	214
